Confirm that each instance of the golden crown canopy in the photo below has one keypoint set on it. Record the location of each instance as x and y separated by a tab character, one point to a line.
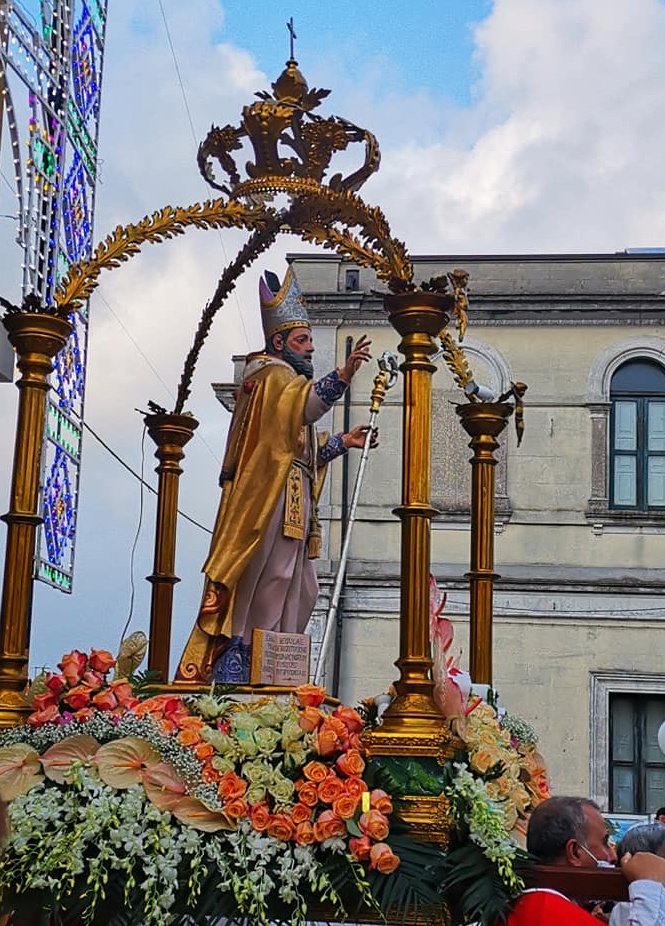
288	139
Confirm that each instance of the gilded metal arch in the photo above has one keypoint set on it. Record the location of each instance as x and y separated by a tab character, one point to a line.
317	214
126	241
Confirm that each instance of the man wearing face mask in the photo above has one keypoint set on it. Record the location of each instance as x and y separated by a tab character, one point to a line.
259	571
571	832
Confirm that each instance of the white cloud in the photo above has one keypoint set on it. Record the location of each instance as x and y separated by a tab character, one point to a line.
560	151
566	154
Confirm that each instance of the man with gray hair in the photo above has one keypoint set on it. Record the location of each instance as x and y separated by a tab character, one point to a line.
571	832
644	837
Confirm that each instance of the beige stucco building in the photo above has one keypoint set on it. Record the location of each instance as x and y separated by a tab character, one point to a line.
579	628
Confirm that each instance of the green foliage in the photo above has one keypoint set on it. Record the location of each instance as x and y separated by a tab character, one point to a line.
473	886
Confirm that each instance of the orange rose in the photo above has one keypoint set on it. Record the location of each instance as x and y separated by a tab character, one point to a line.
382	857
77	697
231	786
310	719
310	695
56	683
374	825
355	742
236	808
94	680
381	801
345	806
281	827
48	715
304	834
161	705
104	700
315	771
308	794
84	714
259	816
360	848
189	737
153	706
355	786
327	740
351	763
329	825
330	789
187	721
73	666
209	774
300	813
42	701
122	690
350	718
129	704
101	660
204	751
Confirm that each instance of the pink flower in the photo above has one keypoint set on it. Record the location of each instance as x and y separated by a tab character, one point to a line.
122	690
374	824
351	763
56	683
350	718
48	715
360	848
77	697
94	680
383	858
105	700
42	701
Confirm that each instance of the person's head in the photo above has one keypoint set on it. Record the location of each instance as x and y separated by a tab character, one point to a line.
659	815
285	321
295	346
569	831
644	837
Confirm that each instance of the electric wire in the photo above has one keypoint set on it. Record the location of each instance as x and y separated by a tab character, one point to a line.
110	308
140	478
196	143
132	584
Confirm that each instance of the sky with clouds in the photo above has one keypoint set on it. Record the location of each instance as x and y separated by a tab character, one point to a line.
506	126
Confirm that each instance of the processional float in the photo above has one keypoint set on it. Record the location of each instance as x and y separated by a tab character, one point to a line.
292	150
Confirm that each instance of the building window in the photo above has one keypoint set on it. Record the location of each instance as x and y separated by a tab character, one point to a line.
637	766
637	436
352	281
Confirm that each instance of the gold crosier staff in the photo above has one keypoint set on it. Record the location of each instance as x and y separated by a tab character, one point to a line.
384	380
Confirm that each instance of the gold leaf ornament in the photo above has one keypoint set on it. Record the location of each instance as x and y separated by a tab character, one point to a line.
37	687
131	654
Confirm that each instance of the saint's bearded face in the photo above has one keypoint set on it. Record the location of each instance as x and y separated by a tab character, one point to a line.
297	350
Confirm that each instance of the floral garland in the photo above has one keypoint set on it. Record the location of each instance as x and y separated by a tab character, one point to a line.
153	805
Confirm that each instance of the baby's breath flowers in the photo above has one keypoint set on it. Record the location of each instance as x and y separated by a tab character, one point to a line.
157	803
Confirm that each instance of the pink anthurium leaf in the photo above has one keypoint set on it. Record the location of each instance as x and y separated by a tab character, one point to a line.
163	786
58	759
20	770
192	812
121	763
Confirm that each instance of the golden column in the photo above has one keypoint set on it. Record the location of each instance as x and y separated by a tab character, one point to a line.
418	317
37	338
483	422
170	432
